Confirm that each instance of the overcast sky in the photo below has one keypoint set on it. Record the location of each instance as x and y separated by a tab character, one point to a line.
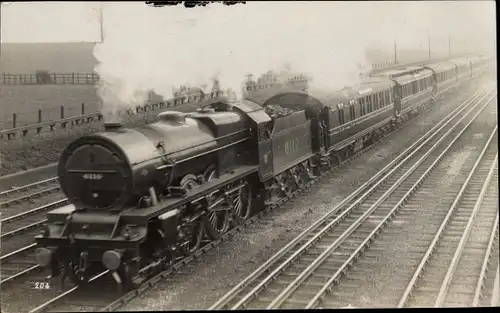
50	21
78	21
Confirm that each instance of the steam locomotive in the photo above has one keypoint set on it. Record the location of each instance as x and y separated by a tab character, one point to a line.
143	197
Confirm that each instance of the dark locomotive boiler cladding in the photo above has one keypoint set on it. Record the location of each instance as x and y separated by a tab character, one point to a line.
116	168
140	197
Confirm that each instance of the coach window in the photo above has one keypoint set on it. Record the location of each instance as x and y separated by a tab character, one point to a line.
362	106
352	110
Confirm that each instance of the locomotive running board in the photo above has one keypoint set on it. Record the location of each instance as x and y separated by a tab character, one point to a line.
143	215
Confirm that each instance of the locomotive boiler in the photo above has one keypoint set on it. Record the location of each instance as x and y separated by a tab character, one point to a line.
116	168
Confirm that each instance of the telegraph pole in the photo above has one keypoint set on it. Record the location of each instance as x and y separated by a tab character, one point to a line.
395	53
449	45
429	42
101	21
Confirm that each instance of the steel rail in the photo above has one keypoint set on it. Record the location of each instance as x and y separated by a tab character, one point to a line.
13	253
495	299
484	268
418	272
64	294
35	210
231	294
22	272
22	229
320	259
400	203
443	291
18	274
36	194
35	184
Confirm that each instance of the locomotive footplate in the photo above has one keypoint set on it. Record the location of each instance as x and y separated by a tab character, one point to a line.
141	215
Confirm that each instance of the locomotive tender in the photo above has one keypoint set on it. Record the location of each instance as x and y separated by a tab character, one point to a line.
142	197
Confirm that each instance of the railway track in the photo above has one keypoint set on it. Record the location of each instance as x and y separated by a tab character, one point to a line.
63	301
22	194
21	222
303	273
17	241
452	272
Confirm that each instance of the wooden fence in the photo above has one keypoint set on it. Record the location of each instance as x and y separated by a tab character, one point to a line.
76	116
50	79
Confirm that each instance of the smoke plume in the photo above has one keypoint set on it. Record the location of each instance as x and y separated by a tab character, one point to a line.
160	48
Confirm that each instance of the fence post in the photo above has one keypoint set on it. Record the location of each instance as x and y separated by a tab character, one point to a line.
62	111
14	120
83	108
73	77
39	115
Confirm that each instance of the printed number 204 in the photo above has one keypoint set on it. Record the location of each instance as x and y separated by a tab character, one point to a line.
42	285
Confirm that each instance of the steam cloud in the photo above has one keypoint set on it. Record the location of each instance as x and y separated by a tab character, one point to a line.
147	48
